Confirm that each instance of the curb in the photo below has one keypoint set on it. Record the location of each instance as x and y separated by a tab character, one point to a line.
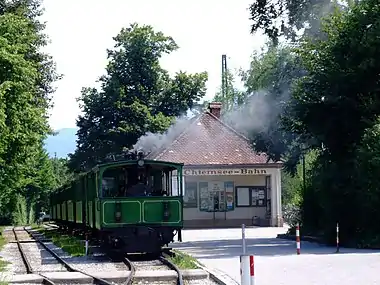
219	277
303	238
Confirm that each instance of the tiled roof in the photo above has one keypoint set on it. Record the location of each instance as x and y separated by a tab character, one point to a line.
208	141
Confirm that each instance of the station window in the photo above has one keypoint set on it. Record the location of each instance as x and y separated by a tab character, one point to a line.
216	196
251	196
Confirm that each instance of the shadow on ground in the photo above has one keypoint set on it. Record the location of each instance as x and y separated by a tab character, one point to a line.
211	249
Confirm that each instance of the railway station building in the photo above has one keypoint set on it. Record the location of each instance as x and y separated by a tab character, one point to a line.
225	182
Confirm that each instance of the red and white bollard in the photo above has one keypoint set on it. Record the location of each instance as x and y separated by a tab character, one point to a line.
247	270
247	265
298	240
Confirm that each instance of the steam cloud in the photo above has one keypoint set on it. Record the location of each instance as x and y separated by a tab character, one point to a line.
258	113
152	142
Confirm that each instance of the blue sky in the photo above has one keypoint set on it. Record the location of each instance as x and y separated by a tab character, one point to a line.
81	30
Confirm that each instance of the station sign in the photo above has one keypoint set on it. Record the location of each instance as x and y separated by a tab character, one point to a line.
224	172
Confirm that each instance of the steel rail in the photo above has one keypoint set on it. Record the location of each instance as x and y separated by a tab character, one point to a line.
29	269
69	268
174	267
132	270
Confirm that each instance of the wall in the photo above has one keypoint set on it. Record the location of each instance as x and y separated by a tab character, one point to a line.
194	217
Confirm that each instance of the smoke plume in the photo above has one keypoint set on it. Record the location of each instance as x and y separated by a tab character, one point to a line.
152	142
258	113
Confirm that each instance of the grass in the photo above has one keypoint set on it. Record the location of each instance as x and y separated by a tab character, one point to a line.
184	261
69	244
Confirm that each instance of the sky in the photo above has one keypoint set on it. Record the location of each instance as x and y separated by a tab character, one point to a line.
81	31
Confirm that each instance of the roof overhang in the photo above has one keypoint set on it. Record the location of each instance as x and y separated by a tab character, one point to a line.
221	166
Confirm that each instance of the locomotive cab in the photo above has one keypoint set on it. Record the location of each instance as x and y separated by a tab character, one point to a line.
141	204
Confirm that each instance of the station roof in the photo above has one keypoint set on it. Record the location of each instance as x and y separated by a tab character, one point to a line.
209	141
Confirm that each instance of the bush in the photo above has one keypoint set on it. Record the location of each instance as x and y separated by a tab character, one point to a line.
292	214
20	215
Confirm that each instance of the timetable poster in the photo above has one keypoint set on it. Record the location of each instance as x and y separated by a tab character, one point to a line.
229	188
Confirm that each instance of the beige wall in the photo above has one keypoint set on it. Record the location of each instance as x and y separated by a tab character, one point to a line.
194	217
244	177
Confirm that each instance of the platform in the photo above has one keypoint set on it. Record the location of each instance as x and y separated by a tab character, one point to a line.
276	261
113	276
24	278
67	277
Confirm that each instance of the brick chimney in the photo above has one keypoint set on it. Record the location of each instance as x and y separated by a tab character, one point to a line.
214	108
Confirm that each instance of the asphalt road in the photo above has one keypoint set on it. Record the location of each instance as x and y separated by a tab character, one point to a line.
276	261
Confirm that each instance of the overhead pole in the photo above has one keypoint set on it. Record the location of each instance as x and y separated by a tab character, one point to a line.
224	81
226	108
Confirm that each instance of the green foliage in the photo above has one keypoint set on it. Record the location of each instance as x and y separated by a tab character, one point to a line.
137	96
69	244
233	97
269	82
368	168
26	77
348	64
293	184
337	104
292	19
184	261
333	109
20	214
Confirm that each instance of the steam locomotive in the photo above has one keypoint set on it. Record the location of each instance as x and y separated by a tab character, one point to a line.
132	204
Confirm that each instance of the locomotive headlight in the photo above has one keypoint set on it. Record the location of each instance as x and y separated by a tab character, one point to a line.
140	162
118	211
166	213
117	216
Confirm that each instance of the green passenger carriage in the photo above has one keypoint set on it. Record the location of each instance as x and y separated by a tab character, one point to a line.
133	204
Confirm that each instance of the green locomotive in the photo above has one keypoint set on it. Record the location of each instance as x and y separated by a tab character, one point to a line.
133	204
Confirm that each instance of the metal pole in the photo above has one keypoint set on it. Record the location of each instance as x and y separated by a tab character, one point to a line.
86	244
243	238
224	82
337	237
304	172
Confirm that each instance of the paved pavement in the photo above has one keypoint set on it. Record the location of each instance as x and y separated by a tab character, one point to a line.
276	262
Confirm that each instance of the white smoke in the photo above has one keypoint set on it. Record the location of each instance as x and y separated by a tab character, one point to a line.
257	113
152	142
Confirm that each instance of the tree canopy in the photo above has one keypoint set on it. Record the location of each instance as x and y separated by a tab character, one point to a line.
292	19
337	104
26	77
137	96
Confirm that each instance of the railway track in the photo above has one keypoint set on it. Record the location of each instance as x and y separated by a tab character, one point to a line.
141	262
28	266
66	266
172	266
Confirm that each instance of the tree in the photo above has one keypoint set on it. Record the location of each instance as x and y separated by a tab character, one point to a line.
292	19
233	97
137	96
26	76
337	104
268	85
293	187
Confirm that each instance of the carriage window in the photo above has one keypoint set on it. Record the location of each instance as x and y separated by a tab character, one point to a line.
108	186
130	181
114	181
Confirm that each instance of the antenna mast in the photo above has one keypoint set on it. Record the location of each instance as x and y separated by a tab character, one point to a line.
224	81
